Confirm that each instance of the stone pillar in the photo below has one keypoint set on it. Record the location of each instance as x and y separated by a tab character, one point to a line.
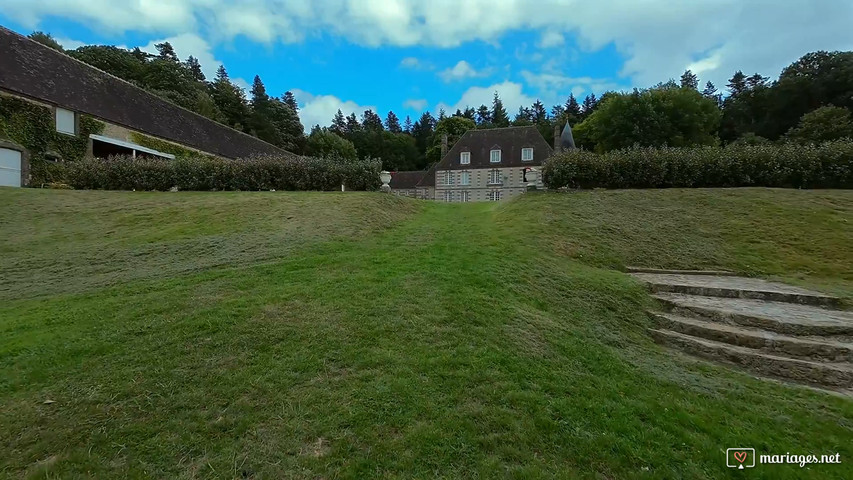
443	145
557	141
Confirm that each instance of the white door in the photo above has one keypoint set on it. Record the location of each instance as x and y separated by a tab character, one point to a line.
10	168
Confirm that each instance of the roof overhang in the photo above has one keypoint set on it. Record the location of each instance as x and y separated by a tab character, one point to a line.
132	146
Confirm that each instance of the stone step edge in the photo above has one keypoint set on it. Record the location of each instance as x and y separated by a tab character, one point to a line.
723	292
758	339
718	273
831	375
751	320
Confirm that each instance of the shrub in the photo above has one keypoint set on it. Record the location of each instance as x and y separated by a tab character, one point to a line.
828	165
206	173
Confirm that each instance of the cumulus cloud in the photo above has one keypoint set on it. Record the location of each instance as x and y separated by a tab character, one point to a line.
657	38
319	109
511	94
413	63
415	103
461	71
550	85
187	44
551	39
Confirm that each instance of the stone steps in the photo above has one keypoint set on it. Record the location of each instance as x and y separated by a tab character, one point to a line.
832	375
719	273
769	328
817	349
734	287
779	317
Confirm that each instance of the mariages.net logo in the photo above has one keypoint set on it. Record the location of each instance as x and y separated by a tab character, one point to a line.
744	457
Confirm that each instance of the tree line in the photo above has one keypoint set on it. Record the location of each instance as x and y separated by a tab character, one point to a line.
811	101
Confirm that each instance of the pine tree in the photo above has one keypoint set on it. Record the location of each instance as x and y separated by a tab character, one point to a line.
538	114
499	115
590	103
689	80
371	121
756	80
339	124
558	112
46	39
484	116
392	123
290	100
165	51
353	125
737	84
230	99
407	125
441	114
194	67
259	93
470	113
710	92
522	117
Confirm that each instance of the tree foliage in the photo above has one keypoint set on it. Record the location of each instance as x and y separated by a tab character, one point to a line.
823	125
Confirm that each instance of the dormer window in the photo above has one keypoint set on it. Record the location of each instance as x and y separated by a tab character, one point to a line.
526	154
465	158
495	156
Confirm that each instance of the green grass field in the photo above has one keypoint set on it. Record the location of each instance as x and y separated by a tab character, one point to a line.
329	335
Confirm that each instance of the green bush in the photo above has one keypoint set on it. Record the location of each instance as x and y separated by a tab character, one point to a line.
209	173
828	165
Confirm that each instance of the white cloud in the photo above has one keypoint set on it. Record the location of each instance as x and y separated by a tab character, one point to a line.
511	95
552	85
70	44
461	71
551	39
657	38
415	103
413	63
319	109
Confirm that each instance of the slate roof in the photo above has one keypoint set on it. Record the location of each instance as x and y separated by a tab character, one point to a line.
33	70
406	180
509	140
429	179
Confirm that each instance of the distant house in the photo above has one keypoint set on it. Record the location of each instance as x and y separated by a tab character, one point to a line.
416	184
489	165
70	89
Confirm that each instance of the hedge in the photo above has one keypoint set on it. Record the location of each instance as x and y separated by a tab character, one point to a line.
206	173
829	165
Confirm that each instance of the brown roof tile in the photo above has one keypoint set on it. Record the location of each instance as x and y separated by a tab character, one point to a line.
406	180
509	141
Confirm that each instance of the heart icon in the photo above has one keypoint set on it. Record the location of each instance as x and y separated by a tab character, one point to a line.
740	456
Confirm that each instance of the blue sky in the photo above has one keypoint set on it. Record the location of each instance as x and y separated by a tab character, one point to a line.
407	55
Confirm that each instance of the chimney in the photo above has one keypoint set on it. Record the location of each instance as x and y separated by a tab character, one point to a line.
557	140
443	145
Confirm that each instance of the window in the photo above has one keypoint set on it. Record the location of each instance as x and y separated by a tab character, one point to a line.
65	121
448	178
495	177
526	154
495	156
495	196
465	196
448	196
465	158
465	178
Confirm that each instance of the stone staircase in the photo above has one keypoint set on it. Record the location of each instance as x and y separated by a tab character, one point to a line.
770	329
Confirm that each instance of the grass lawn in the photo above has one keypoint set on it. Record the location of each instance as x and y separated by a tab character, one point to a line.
328	335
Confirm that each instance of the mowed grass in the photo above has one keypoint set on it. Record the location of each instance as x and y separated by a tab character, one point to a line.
395	338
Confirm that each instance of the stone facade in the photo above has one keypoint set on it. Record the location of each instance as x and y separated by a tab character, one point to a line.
450	185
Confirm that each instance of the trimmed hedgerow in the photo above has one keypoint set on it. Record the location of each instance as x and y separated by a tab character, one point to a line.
210	173
829	165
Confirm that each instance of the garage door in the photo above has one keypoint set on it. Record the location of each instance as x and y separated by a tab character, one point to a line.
10	168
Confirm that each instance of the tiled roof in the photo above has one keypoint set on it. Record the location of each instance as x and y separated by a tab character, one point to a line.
33	70
509	141
406	180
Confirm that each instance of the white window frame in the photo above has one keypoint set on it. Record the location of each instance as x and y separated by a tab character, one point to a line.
448	178
492	156
465	178
465	196
495	196
465	158
523	156
495	177
61	119
448	196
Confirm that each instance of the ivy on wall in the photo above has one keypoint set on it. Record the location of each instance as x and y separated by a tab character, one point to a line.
166	147
32	126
